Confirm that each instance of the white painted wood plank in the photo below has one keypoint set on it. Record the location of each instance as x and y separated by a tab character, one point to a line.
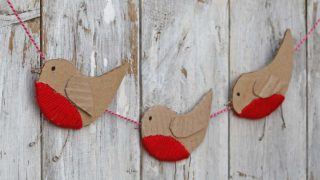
184	54
313	92
10	19
96	35
19	116
274	148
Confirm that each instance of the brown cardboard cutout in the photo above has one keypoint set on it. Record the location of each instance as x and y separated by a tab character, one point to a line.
189	128
190	123
91	95
270	80
78	90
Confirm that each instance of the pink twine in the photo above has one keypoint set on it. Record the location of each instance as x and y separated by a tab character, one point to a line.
224	110
26	30
122	117
306	37
215	114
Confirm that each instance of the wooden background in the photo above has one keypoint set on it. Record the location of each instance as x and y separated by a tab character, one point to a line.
178	49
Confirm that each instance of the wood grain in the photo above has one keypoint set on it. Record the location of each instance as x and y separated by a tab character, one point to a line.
274	148
97	35
184	54
19	116
187	47
313	93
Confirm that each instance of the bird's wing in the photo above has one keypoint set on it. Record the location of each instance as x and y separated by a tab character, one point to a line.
194	121
268	85
78	90
276	76
94	94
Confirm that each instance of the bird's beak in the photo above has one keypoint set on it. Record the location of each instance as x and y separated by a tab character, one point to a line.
36	70
237	107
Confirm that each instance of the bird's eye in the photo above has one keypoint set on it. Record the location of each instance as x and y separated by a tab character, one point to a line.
238	94
150	118
53	68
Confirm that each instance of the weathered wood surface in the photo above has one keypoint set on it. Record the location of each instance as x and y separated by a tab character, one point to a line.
19	117
184	52
187	47
274	148
96	36
313	93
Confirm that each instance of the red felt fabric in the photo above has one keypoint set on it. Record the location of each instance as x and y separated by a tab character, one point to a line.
56	108
165	148
262	107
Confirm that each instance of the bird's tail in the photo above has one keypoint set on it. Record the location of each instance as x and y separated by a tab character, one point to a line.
285	52
203	108
205	101
113	78
120	71
125	65
108	85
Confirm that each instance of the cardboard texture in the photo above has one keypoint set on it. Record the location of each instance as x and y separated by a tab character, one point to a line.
78	90
189	129
268	81
91	95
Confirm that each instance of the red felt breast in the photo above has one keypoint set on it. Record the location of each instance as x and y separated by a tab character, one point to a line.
56	108
262	107
165	148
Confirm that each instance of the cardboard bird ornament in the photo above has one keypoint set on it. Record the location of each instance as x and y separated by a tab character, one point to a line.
168	136
257	94
71	100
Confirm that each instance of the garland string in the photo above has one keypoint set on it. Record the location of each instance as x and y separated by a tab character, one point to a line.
26	30
227	107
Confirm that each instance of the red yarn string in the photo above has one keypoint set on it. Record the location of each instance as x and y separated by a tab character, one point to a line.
213	115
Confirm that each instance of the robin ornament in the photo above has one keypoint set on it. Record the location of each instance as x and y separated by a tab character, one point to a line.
71	100
169	136
257	94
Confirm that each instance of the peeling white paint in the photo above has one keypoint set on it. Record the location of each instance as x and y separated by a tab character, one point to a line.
109	13
122	97
105	62
93	64
92	128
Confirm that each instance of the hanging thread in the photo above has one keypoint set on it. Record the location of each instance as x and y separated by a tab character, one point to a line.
306	37
122	117
224	110
26	30
227	108
56	158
